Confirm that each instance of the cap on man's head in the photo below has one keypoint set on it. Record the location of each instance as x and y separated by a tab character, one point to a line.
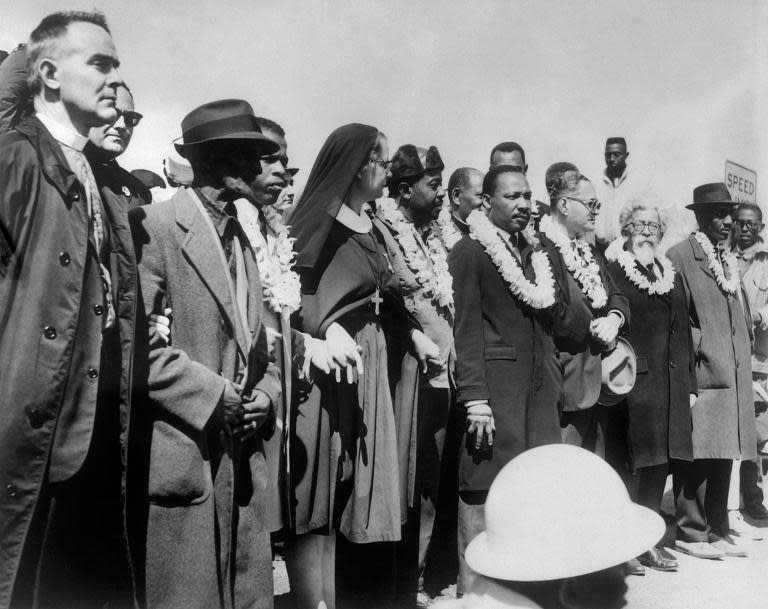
616	140
411	161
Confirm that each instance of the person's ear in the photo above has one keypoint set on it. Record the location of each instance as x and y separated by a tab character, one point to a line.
626	155
525	169
454	195
486	198
404	190
48	72
562	206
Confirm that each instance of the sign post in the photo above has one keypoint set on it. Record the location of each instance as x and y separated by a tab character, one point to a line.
741	182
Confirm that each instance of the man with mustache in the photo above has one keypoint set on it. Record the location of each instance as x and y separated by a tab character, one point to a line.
422	397
502	360
723	415
68	288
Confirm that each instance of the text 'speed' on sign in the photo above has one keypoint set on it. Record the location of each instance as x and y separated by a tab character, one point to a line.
741	182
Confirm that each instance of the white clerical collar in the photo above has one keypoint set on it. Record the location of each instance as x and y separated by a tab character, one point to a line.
359	223
62	134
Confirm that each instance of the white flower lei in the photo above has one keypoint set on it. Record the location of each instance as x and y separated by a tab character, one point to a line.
446	227
579	261
539	295
436	280
729	285
627	260
280	285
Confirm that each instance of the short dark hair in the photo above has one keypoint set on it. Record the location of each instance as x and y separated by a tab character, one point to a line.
266	124
50	29
507	147
616	140
752	207
561	179
491	179
460	179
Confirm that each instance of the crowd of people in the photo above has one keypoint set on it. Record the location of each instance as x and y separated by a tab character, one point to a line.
394	391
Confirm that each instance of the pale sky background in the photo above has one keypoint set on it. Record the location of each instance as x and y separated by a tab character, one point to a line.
684	81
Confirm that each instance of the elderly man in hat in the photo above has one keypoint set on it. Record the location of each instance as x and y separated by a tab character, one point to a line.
212	391
422	397
68	292
652	423
723	414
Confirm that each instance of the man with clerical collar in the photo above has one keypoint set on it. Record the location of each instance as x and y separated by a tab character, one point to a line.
68	288
507	378
582	275
723	415
422	397
213	390
465	189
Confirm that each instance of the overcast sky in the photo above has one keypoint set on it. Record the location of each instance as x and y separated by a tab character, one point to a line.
683	81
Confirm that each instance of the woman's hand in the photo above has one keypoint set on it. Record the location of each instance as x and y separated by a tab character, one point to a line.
427	352
343	352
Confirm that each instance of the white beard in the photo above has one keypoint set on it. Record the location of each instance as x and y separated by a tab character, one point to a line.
645	253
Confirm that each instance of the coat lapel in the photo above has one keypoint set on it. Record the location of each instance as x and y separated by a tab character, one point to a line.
700	257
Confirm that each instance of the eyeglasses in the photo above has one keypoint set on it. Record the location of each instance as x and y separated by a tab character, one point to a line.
527	195
653	228
748	224
130	117
593	205
384	164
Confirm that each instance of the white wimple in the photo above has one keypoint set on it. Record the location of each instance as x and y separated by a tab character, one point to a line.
579	260
627	261
280	285
435	279
539	295
730	284
449	234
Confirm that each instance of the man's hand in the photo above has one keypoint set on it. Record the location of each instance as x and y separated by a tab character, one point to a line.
257	410
160	328
480	420
427	352
343	353
692	397
605	329
273	336
230	412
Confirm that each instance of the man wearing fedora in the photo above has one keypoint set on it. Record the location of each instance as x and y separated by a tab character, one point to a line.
723	414
212	390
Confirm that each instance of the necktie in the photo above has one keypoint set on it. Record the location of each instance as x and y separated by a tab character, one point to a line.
651	271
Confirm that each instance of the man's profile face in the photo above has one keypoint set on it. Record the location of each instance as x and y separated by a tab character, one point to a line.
514	158
470	197
86	72
717	223
749	224
274	176
114	139
616	158
427	196
510	210
581	218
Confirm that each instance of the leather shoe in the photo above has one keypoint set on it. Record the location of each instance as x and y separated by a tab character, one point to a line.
634	567
756	511
653	559
699	549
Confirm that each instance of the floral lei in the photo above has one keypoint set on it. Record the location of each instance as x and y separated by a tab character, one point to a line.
446	228
280	285
729	285
435	279
539	295
579	260
627	260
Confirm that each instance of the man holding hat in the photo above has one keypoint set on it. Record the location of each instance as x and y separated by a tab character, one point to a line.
422	398
723	414
212	390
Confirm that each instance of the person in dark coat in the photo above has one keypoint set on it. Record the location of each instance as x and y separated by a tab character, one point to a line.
603	309
723	414
212	390
501	358
656	415
69	300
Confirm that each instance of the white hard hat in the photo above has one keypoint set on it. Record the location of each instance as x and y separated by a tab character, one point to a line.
559	511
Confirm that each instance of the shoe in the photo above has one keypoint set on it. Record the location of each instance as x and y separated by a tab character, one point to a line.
700	549
729	544
741	528
634	567
756	512
654	559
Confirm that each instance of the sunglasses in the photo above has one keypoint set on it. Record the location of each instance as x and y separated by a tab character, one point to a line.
130	117
748	224
593	205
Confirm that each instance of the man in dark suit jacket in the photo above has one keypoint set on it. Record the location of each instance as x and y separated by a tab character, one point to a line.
604	310
212	389
499	357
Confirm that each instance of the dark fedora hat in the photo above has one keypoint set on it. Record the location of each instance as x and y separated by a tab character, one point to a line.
223	120
711	195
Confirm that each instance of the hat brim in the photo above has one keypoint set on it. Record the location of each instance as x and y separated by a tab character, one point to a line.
292	171
264	144
700	204
545	556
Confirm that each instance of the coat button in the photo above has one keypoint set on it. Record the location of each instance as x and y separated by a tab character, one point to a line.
672	364
64	258
12	490
75	196
98	309
49	332
672	330
92	373
35	418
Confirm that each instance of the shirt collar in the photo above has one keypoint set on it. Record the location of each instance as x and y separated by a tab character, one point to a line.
752	250
359	223
62	134
511	240
619	181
